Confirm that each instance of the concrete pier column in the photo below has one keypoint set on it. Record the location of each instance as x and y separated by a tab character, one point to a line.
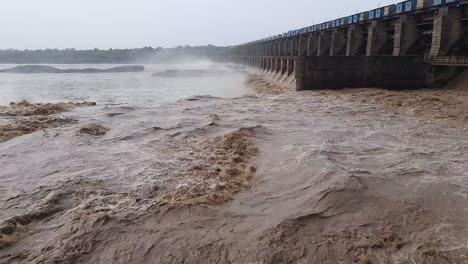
299	73
302	46
447	31
290	66
285	47
292	46
297	47
406	35
312	44
376	38
297	41
283	66
338	42
323	47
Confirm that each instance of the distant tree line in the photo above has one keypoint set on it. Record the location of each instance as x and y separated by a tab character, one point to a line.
139	55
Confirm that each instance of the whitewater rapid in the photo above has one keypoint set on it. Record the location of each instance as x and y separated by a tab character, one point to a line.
305	177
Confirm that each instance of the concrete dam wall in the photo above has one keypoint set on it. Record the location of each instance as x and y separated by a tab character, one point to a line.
419	46
334	72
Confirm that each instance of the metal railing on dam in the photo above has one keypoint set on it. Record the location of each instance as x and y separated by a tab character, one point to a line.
447	60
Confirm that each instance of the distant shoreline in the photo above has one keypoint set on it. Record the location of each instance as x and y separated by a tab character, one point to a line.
30	69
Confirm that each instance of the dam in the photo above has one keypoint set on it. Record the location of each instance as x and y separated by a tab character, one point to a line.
407	45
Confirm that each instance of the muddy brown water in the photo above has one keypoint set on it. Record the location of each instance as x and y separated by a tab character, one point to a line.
339	177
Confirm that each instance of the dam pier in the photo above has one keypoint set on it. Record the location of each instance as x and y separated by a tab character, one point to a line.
411	44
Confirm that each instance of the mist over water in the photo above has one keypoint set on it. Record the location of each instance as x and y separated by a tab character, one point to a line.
138	88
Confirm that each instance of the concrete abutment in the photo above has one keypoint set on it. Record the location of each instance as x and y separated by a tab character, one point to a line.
406	35
447	30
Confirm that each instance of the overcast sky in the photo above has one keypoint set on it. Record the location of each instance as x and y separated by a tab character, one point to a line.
83	24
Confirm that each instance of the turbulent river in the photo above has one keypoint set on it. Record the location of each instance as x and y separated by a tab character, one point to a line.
139	88
205	170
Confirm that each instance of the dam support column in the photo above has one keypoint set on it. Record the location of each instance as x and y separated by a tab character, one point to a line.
338	42
324	43
406	35
302	46
354	41
286	47
447	31
376	38
284	50
299	73
312	44
283	66
294	41
290	66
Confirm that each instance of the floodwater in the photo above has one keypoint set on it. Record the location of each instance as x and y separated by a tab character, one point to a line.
139	88
350	176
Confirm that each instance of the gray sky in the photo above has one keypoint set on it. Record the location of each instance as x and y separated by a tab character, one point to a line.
82	24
